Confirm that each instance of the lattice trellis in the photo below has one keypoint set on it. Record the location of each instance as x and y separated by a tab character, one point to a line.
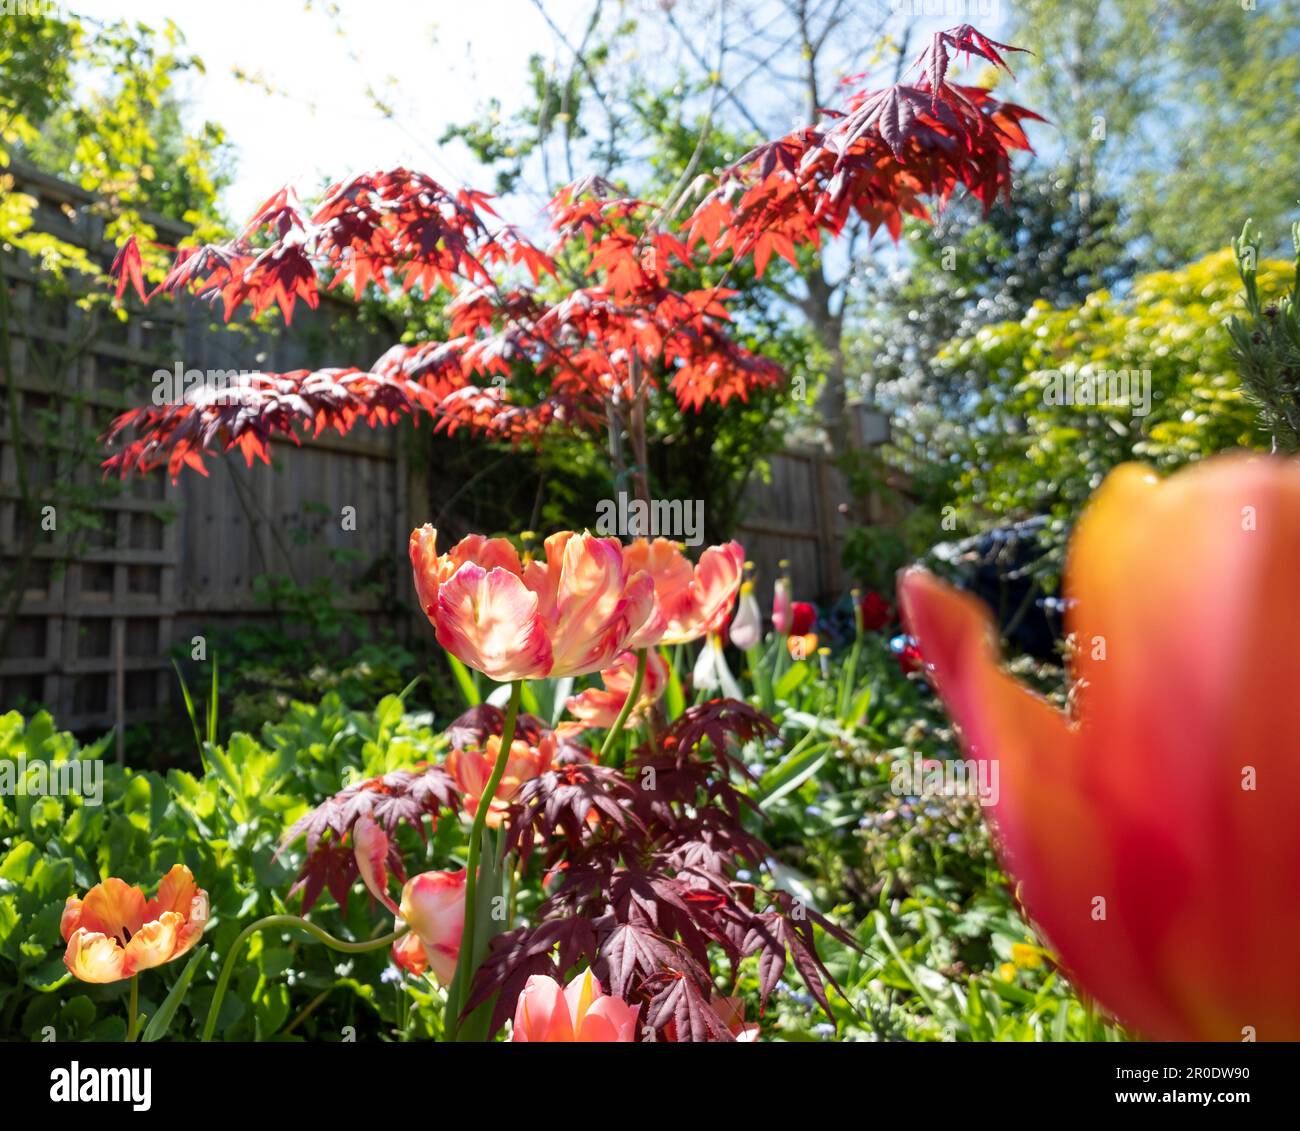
102	608
98	602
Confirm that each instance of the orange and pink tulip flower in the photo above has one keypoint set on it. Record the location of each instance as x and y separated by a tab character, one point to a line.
690	600
472	768
433	904
569	613
580	1011
1152	832
600	708
114	932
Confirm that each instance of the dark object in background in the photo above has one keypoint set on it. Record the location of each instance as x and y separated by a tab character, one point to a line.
998	566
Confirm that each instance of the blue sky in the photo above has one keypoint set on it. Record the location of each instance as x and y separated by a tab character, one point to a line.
446	57
437	62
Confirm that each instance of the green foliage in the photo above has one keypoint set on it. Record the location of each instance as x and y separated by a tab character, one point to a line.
1055	241
1266	344
95	102
1019	450
1184	109
308	642
945	953
224	823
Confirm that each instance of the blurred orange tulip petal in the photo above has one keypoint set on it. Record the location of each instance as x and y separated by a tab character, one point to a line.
1154	840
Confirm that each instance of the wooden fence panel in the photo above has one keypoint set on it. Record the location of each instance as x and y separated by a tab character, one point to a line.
801	513
102	609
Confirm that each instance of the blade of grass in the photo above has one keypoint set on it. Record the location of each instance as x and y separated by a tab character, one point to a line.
468	685
190	709
212	704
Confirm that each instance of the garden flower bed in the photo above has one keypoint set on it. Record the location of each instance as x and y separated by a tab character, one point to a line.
560	738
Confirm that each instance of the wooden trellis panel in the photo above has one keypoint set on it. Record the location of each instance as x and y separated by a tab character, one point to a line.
102	608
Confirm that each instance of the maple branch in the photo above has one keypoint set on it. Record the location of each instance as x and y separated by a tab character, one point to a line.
288	922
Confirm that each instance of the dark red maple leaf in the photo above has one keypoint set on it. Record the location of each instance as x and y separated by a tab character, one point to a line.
878	158
648	857
681	1004
402	797
724	723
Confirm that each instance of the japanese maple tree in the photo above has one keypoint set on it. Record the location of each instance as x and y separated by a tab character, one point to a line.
597	313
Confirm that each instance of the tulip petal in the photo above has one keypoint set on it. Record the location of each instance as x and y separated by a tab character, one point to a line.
581	993
608	1019
408	954
424	567
370	847
433	904
94	957
1134	835
1185	610
588	630
542	1012
1035	752
154	943
71	918
747	625
176	893
113	907
488	619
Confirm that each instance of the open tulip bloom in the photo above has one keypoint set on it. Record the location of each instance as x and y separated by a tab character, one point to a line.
601	708
114	932
689	600
580	1011
569	613
1153	834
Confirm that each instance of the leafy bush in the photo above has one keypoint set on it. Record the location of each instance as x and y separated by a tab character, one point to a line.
225	825
1023	455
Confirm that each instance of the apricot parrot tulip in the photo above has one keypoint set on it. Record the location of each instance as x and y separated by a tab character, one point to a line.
1153	835
433	904
472	768
570	613
114	932
581	1011
689	600
597	708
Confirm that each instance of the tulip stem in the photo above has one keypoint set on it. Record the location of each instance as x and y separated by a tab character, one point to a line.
465	960
288	922
628	704
133	1009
